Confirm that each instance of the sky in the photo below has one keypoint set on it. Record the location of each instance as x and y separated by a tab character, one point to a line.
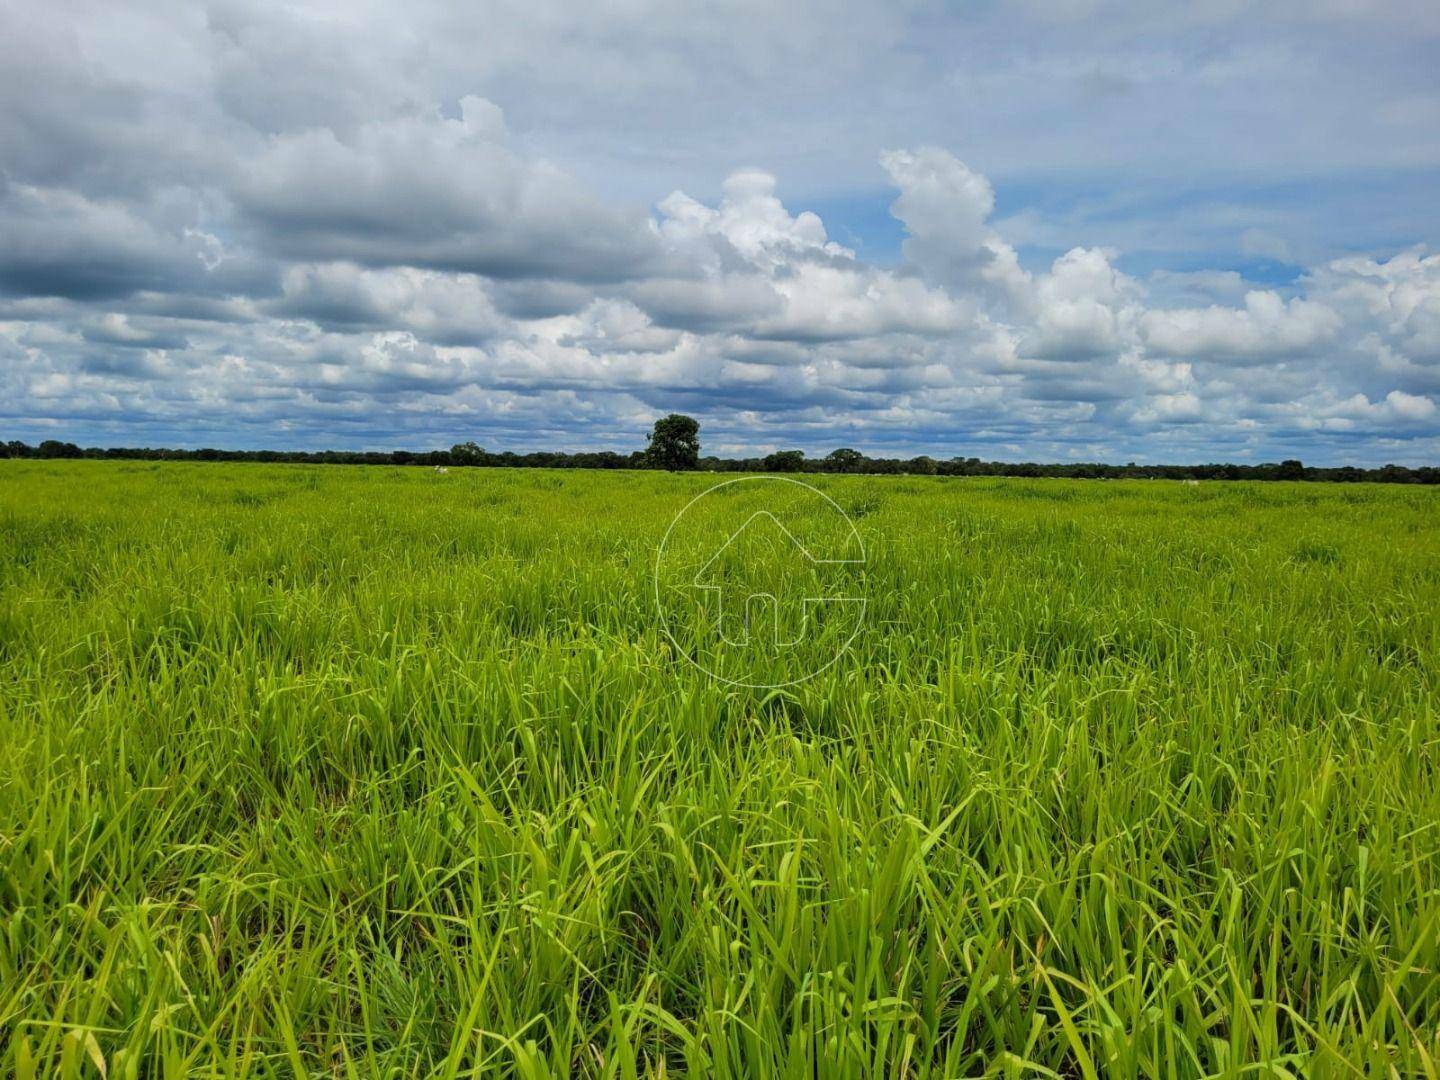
1037	231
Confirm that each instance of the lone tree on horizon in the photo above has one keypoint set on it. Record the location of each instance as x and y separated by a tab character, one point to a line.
675	443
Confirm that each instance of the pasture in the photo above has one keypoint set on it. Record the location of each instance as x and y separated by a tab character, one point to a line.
365	772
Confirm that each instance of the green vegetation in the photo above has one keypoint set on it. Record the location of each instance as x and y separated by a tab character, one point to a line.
674	444
678	449
377	772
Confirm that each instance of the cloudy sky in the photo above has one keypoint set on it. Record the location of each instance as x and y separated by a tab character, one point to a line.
1055	230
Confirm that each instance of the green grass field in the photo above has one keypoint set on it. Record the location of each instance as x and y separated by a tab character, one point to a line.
375	772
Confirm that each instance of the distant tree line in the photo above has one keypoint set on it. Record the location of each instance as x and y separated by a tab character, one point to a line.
675	446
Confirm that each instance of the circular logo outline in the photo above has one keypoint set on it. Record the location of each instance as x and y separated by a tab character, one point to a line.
660	608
